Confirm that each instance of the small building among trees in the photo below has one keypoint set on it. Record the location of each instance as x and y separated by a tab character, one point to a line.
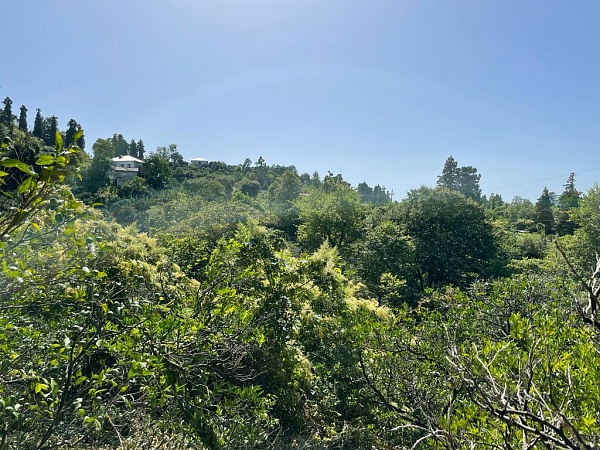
200	162
124	168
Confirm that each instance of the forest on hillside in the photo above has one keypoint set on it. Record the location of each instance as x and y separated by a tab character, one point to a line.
250	306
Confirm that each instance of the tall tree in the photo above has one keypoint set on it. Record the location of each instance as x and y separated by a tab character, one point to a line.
365	191
133	149
7	116
568	200
140	150
570	196
461	179
50	128
468	183
449	177
23	119
70	133
543	210
38	124
120	144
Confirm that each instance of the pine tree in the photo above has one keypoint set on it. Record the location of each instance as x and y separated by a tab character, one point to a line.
38	125
140	149
23	119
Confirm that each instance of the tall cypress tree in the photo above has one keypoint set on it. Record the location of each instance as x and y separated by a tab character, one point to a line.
7	116
23	119
140	149
38	125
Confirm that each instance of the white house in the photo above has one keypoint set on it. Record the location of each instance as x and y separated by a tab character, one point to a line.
124	168
201	162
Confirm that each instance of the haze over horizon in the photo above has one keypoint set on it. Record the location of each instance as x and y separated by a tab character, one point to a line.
380	91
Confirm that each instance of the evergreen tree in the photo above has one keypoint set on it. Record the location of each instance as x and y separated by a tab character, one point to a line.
133	149
365	191
38	125
140	150
468	183
570	196
23	119
120	144
50	128
568	200
380	195
70	133
449	177
461	179
7	116
543	210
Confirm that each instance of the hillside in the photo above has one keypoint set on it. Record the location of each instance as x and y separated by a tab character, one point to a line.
250	306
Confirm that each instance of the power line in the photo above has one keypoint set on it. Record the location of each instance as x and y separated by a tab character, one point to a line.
544	179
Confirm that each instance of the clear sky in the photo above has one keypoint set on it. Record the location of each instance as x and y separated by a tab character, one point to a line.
381	91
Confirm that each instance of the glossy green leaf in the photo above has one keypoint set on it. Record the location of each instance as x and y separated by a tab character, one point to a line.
45	160
40	387
10	162
78	136
26	185
58	140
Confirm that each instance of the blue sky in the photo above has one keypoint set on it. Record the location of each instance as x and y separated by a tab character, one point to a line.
381	91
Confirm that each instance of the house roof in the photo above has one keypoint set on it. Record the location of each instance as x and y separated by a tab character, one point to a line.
126	158
198	159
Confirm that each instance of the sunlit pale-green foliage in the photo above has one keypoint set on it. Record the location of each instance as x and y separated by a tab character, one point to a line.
203	323
331	215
